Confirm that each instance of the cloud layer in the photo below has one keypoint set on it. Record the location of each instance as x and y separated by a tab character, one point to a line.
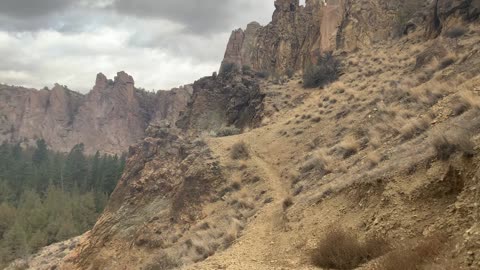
161	43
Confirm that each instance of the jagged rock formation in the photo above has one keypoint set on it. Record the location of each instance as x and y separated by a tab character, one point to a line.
231	100
297	34
109	118
286	43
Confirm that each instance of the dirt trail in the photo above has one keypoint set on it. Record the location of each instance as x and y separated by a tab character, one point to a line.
258	248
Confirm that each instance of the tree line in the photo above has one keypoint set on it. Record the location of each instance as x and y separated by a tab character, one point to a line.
47	196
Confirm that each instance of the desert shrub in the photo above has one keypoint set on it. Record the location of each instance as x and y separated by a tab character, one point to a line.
262	74
447	61
406	258
317	163
228	68
163	262
327	70
470	100
413	128
456	32
246	68
459	108
287	203
450	142
239	151
373	159
339	249
290	72
348	147
227	131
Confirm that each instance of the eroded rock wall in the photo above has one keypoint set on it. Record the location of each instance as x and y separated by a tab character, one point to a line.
110	118
298	34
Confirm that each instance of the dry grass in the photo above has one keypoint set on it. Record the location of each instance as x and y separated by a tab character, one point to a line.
375	138
448	60
413	127
318	162
373	159
239	151
339	249
163	262
447	143
429	93
349	146
470	100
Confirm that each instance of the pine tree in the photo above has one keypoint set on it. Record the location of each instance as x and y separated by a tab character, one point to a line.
14	244
75	171
7	218
40	155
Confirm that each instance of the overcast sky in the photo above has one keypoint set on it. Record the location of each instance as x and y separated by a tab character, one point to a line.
161	43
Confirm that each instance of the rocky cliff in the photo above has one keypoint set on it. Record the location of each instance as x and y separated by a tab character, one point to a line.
298	34
111	117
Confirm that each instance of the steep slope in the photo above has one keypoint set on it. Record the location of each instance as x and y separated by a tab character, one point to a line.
390	149
109	118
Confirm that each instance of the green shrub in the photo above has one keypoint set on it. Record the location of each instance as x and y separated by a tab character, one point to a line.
227	131
456	32
228	68
324	72
290	72
262	74
246	68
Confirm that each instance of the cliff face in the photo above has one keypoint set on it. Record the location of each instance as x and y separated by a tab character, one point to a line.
286	43
298	34
231	100
109	118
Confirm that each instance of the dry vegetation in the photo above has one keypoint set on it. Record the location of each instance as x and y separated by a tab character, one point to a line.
341	249
413	256
239	151
448	142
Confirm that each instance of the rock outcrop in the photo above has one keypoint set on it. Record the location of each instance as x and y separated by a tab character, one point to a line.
154	205
298	34
157	211
231	100
110	118
286	43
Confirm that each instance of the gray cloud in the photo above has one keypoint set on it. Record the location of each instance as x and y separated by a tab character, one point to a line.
161	43
29	8
197	16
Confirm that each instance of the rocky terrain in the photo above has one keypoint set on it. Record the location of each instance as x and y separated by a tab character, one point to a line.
254	173
111	117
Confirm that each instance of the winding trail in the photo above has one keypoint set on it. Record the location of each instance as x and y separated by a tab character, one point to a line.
259	245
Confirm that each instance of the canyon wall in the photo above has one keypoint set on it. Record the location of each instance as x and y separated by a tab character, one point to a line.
111	117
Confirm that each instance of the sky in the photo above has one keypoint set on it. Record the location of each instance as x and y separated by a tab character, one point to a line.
161	43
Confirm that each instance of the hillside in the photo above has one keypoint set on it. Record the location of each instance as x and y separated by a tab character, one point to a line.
262	173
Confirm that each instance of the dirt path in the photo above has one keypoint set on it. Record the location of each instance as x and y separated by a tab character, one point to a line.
259	247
